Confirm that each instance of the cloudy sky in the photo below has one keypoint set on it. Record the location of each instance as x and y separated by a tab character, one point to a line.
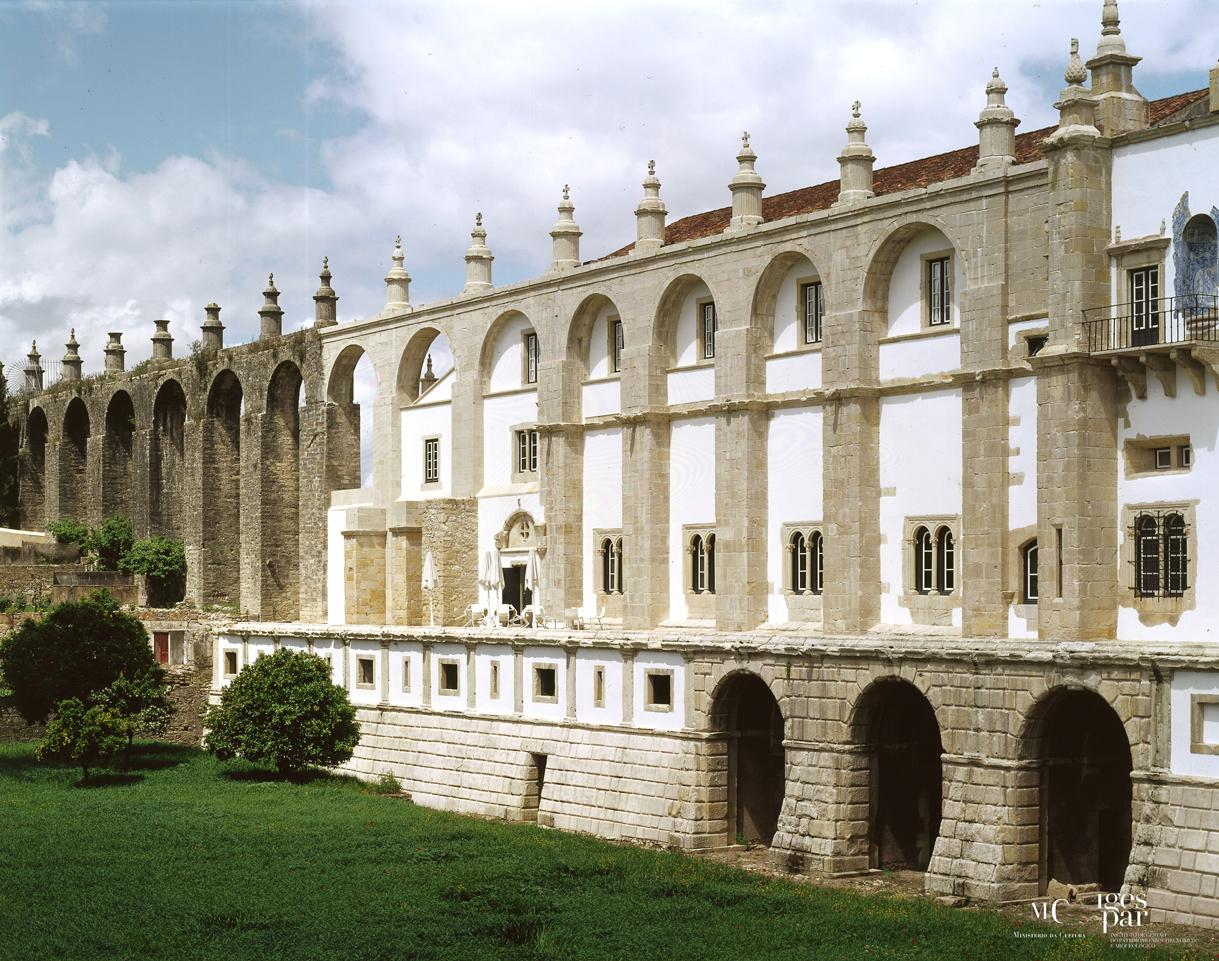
158	155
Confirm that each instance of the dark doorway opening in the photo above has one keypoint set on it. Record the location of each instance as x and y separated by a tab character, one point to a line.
749	715
905	777
535	783
515	592
1086	822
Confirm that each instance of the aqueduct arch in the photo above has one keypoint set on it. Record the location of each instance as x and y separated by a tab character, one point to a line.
280	493
118	495
167	461
221	450
747	716
74	463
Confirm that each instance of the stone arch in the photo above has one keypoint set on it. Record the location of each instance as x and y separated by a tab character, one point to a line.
221	454
749	726
167	461
590	351
280	494
74	463
345	424
580	330
887	248
117	459
668	311
32	491
1082	762
1200	263
894	725
412	366
770	282
490	345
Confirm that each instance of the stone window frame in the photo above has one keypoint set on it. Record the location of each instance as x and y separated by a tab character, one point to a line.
526	476
371	661
700	604
1197	704
1136	254
538	667
611	602
230	655
1163	608
649	704
493	687
613	348
925	261
530	335
1138	455
932	608
599	686
441	664
807	603
431	439
701	359
1029	572
406	675
802	285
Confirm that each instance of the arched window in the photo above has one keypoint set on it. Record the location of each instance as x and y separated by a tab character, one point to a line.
620	571
817	562
608	567
924	561
1028	571
698	565
799	563
710	563
945	561
1176	555
1146	556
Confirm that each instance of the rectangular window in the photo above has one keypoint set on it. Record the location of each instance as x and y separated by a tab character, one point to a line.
495	680
939	292
450	678
365	672
230	663
659	690
1058	556
1144	305
709	328
616	346
1187	455
810	295
160	646
531	358
431	460
406	675
598	686
1163	457
526	451
545	683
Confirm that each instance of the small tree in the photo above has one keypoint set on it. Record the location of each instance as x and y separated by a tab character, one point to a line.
77	649
285	710
87	735
68	531
111	542
141	704
163	562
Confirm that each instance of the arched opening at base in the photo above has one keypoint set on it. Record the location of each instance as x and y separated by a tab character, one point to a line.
748	714
1085	792
897	726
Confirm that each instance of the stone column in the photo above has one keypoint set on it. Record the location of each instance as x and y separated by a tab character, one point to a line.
562	484
252	562
195	512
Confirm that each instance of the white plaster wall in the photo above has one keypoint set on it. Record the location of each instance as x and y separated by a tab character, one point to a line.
500	415
545	657
258	646
449	702
920	461
673	720
906	283
1198	417
933	354
356	650
295	644
432	417
331	648
691	496
405	658
798	371
1143	196
224	644
602	499
1022	470
794	490
686	348
598	345
485	656
691	385
789	318
507	356
1185	684
586	710
601	397
1014	331
336	609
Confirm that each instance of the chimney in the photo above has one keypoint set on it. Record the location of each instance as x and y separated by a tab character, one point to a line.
996	126
162	341
397	282
565	236
746	187
478	260
72	364
270	314
855	162
212	329
650	215
33	369
114	351
325	311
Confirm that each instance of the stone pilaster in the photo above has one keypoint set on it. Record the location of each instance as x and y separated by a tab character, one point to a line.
314	494
250	531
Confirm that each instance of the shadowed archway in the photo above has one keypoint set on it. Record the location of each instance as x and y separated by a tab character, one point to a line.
747	714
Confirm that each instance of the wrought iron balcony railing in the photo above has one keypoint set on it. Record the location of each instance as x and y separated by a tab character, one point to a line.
1193	319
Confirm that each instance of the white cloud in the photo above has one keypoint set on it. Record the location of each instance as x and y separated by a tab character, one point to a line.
68	22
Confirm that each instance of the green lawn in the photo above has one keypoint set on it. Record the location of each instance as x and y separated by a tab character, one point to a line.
182	859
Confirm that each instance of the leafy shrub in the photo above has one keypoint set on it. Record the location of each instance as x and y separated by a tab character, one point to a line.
87	735
70	532
141	704
77	649
111	542
285	710
386	783
163	562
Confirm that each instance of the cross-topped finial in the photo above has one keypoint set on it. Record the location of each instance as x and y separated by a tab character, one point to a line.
325	263
745	139
398	240
566	191
855	108
270	280
478	219
651	168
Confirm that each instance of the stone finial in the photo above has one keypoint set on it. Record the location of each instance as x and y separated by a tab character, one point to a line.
746	187
73	366
1076	106
162	341
650	215
429	375
325	310
1110	31
115	351
212	330
856	161
478	260
271	315
1120	107
33	368
565	236
996	126
397	281
1076	73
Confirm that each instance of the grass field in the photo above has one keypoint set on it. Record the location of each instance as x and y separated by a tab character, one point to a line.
186	859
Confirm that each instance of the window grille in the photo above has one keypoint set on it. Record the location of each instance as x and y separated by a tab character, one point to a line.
1161	554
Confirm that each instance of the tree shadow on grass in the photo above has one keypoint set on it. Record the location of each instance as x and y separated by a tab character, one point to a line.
158	755
110	780
268	775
